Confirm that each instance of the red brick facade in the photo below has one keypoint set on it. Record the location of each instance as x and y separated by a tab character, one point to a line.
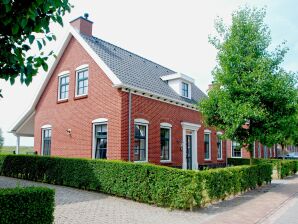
106	101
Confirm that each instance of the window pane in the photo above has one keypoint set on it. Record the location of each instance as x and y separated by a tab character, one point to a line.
207	146
165	144
140	146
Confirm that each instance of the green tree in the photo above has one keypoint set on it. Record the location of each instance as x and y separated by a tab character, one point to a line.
252	98
20	23
1	139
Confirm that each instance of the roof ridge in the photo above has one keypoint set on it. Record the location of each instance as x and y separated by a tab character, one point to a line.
168	69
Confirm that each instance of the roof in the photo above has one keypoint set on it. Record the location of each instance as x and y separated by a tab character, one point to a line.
123	68
136	71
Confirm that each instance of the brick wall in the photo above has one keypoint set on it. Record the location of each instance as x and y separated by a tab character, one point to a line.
105	101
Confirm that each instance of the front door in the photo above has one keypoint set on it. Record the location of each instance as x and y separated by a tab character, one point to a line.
188	152
101	141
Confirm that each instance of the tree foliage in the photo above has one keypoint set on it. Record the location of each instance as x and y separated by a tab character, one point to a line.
250	87
21	23
1	139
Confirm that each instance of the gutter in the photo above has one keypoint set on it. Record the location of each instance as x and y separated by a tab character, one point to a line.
129	124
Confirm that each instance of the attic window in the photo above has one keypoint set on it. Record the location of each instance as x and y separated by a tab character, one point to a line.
185	89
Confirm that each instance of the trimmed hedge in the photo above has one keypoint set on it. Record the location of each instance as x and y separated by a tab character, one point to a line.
147	183
284	167
27	205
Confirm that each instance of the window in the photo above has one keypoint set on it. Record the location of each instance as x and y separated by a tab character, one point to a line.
140	143
236	150
259	150
101	134
207	146
63	87
219	146
185	89
82	82
165	144
46	141
265	152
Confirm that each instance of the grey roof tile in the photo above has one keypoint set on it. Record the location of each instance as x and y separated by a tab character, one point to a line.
138	72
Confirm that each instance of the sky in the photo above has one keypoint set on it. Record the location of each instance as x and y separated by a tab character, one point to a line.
173	33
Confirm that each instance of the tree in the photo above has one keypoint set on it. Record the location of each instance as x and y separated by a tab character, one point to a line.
1	139
20	24
252	97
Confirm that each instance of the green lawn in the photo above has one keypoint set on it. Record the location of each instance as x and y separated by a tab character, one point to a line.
10	149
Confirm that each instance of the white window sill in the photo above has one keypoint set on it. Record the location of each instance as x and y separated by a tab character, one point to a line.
165	161
145	161
207	159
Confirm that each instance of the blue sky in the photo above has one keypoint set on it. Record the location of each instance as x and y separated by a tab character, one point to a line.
173	33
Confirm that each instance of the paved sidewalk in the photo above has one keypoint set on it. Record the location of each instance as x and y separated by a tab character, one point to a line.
269	204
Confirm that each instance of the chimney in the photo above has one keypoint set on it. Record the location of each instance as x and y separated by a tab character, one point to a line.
210	86
82	25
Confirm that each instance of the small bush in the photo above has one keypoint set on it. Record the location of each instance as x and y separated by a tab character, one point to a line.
27	205
147	183
284	167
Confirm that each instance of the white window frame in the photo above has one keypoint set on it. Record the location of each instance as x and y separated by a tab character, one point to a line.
60	76
169	127
208	132
232	154
79	69
217	135
45	127
99	121
143	122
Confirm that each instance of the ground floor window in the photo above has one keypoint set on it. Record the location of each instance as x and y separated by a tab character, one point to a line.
165	144
46	141
219	146
207	148
259	150
236	150
101	133
140	142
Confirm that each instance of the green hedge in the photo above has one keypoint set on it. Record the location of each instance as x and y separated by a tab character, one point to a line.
26	205
148	183
284	167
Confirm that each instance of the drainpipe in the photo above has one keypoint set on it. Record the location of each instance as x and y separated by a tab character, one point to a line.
129	123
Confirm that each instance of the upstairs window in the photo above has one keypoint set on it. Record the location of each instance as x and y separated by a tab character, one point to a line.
185	89
63	87
82	82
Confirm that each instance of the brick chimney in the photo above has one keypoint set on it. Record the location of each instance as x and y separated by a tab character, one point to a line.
82	25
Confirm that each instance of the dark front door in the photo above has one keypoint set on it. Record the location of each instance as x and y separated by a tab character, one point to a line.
188	152
101	141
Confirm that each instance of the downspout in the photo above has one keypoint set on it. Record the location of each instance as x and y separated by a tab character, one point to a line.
129	123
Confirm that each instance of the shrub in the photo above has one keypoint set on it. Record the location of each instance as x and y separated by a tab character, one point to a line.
26	205
147	183
284	167
288	167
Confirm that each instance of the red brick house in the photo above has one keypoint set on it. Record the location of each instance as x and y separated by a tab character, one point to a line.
101	101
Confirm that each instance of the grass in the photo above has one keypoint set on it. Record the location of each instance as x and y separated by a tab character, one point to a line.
11	149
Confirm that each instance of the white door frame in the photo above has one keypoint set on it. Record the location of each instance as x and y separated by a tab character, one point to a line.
194	130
